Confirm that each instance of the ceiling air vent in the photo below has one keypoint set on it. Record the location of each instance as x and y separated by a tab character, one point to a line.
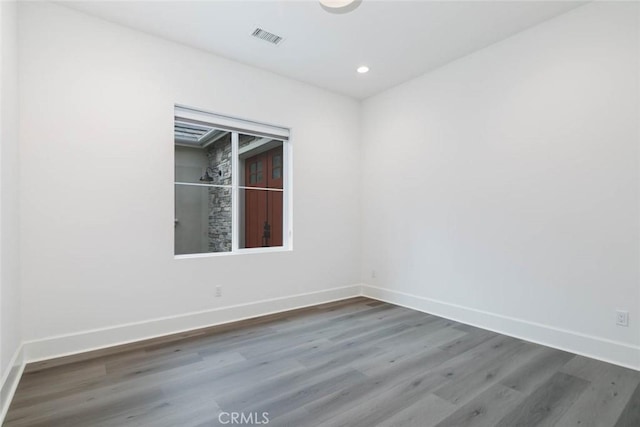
266	36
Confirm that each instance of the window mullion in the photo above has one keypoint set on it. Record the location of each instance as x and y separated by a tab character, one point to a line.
235	179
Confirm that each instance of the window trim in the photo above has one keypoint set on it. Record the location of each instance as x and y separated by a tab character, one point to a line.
237	126
232	124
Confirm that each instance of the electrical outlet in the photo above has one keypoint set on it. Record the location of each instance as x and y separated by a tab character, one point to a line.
622	318
373	274
218	291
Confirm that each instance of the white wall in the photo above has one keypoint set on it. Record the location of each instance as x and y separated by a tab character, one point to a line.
96	118
10	338
503	188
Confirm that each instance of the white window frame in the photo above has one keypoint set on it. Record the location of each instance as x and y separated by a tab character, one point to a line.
239	126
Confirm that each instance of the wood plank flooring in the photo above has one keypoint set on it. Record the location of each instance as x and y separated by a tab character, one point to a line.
357	362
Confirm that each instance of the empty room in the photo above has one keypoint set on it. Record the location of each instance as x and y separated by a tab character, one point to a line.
319	213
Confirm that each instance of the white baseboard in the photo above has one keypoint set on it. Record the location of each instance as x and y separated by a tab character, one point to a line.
615	352
65	345
9	381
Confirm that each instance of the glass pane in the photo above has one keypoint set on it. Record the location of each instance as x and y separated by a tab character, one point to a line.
261	218
202	219
202	154
263	157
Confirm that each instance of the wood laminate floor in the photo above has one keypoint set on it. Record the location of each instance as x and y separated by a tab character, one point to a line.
351	363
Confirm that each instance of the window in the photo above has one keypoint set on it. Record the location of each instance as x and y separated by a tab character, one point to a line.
231	184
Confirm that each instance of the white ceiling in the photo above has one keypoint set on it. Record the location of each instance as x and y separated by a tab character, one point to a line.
398	40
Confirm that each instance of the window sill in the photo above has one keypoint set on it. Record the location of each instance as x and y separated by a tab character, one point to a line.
237	252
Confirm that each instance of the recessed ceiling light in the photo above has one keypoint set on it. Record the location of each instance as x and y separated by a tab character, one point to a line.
363	69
